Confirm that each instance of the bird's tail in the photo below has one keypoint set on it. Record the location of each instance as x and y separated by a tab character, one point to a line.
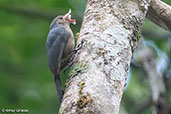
58	86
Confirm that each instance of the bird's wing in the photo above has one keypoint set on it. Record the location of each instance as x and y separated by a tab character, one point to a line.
59	34
55	45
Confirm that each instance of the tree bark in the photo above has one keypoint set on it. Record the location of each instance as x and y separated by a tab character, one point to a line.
160	13
111	30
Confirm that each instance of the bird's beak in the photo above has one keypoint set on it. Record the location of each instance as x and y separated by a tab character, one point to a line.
68	17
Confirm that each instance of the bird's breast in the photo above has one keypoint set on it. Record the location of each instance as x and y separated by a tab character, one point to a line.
68	51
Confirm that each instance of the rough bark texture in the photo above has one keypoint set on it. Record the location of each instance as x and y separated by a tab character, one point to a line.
111	30
160	13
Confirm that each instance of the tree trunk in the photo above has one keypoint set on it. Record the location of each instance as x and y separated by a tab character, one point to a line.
111	30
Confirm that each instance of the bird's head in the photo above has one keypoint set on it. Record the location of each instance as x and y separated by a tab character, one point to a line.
67	17
63	19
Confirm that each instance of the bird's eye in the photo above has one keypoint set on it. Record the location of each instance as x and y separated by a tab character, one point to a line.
60	17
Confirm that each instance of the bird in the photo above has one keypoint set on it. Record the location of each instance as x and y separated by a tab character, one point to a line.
59	46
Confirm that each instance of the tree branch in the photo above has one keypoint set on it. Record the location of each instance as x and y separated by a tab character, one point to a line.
147	58
100	69
160	13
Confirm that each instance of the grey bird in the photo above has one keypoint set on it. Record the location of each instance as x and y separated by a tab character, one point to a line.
59	45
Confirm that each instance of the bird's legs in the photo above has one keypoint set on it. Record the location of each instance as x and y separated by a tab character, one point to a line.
73	53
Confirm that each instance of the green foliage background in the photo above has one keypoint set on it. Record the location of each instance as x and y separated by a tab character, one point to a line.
25	80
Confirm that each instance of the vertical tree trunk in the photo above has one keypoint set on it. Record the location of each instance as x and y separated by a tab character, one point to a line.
111	30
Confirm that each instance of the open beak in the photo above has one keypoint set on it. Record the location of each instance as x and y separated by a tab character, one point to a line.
68	17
